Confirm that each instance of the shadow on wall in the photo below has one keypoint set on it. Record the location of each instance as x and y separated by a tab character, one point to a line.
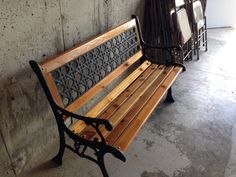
24	119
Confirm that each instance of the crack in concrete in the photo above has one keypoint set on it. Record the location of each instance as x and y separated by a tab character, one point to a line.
230	169
8	153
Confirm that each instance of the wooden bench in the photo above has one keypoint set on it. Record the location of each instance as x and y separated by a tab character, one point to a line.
74	78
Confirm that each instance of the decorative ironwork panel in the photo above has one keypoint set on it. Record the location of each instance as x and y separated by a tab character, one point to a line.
78	76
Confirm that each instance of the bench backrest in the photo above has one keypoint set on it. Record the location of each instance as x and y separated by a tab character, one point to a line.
78	74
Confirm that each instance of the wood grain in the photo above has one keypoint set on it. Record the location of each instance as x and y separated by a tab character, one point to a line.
97	109
131	131
103	84
60	60
119	129
120	113
118	90
116	104
126	106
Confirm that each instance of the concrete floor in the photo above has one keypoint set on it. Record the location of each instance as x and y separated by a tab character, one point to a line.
195	136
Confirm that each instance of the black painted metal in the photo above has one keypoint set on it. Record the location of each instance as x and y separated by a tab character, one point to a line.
100	147
78	76
67	74
174	51
169	97
205	37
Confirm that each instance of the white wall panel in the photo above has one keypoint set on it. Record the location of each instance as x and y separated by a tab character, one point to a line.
221	13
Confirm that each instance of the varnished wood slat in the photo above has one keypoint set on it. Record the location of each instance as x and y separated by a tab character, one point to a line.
103	83
55	62
97	109
116	118
122	111
130	91
127	137
118	90
119	129
53	88
89	132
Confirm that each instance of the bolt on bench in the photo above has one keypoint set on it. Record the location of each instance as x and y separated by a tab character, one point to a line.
72	79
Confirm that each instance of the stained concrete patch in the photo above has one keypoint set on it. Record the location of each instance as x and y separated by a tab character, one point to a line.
200	122
203	136
149	144
158	156
230	170
154	174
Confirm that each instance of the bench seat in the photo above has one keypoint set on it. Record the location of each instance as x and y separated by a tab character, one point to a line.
74	78
129	109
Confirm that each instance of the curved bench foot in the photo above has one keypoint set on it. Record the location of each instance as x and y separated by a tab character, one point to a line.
101	164
169	97
57	160
100	158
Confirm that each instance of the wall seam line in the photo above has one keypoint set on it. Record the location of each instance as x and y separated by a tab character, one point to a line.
62	26
8	153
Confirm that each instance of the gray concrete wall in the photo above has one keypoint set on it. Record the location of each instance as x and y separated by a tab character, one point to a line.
37	29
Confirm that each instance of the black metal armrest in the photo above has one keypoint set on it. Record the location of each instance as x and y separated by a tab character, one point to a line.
170	49
94	122
145	45
87	120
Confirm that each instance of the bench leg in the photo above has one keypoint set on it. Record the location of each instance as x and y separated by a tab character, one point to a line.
58	158
101	164
169	97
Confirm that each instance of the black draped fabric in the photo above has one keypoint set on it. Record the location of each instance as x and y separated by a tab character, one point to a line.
204	4
157	27
160	26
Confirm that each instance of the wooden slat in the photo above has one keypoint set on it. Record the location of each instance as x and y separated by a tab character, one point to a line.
122	111
137	107
97	109
129	92
55	62
127	137
103	83
53	88
116	118
118	90
89	132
